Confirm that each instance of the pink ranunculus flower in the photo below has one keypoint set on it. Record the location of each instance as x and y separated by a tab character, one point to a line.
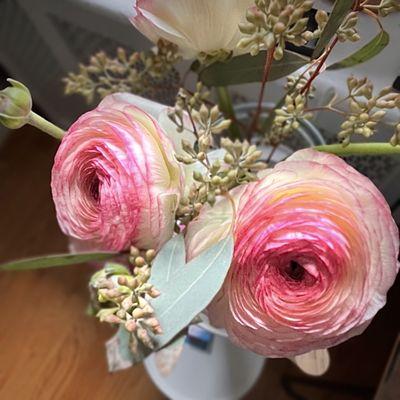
315	254
195	26
115	181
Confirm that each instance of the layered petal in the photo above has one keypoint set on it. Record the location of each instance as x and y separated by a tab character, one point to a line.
115	181
315	254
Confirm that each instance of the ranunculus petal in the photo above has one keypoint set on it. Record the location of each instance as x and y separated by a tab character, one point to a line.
115	181
315	253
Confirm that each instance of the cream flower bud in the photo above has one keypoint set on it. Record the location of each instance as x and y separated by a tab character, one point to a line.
195	26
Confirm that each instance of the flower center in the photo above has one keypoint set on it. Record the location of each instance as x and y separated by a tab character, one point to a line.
94	188
295	271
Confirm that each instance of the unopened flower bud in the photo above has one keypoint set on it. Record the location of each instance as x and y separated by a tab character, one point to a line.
214	113
153	292
150	255
140	261
216	180
112	319
228	158
138	313
279	27
197	207
15	105
134	251
153	324
232	174
204	113
198	176
130	325
201	156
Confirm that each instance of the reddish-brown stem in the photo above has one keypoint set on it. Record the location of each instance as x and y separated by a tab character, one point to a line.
271	153
267	68
307	86
374	16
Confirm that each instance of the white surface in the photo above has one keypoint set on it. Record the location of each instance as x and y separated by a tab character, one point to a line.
224	373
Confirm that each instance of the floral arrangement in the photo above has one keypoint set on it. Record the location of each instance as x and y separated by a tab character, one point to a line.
184	201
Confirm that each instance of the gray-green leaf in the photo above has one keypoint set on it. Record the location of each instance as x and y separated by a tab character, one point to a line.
247	68
370	50
55	260
169	260
340	9
192	288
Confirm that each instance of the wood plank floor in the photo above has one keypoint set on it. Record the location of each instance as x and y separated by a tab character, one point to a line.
49	348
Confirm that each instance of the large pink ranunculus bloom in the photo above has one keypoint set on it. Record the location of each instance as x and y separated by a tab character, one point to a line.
315	254
115	181
195	26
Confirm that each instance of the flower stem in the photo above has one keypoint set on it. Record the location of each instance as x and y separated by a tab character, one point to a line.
225	104
267	68
307	86
359	149
45	126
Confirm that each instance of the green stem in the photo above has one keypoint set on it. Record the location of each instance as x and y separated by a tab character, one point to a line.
45	126
359	149
226	106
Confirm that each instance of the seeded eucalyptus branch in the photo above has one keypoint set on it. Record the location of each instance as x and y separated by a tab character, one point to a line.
271	23
151	74
214	176
384	8
121	297
287	119
238	165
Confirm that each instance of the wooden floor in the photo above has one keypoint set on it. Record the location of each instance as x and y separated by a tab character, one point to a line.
49	348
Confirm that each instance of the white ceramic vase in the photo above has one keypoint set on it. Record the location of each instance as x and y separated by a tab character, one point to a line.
223	372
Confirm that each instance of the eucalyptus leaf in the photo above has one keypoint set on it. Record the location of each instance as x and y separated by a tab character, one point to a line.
55	260
370	50
247	68
190	288
340	9
169	260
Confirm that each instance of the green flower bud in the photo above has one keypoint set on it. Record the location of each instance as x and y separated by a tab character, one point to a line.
198	176
216	180
228	158
15	105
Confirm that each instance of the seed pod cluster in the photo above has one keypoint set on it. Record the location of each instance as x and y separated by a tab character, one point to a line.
239	165
366	109
385	7
122	297
287	119
347	30
271	23
151	74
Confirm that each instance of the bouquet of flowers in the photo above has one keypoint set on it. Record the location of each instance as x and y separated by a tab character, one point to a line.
185	203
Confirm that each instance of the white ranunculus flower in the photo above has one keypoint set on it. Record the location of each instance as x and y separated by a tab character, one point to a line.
195	26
